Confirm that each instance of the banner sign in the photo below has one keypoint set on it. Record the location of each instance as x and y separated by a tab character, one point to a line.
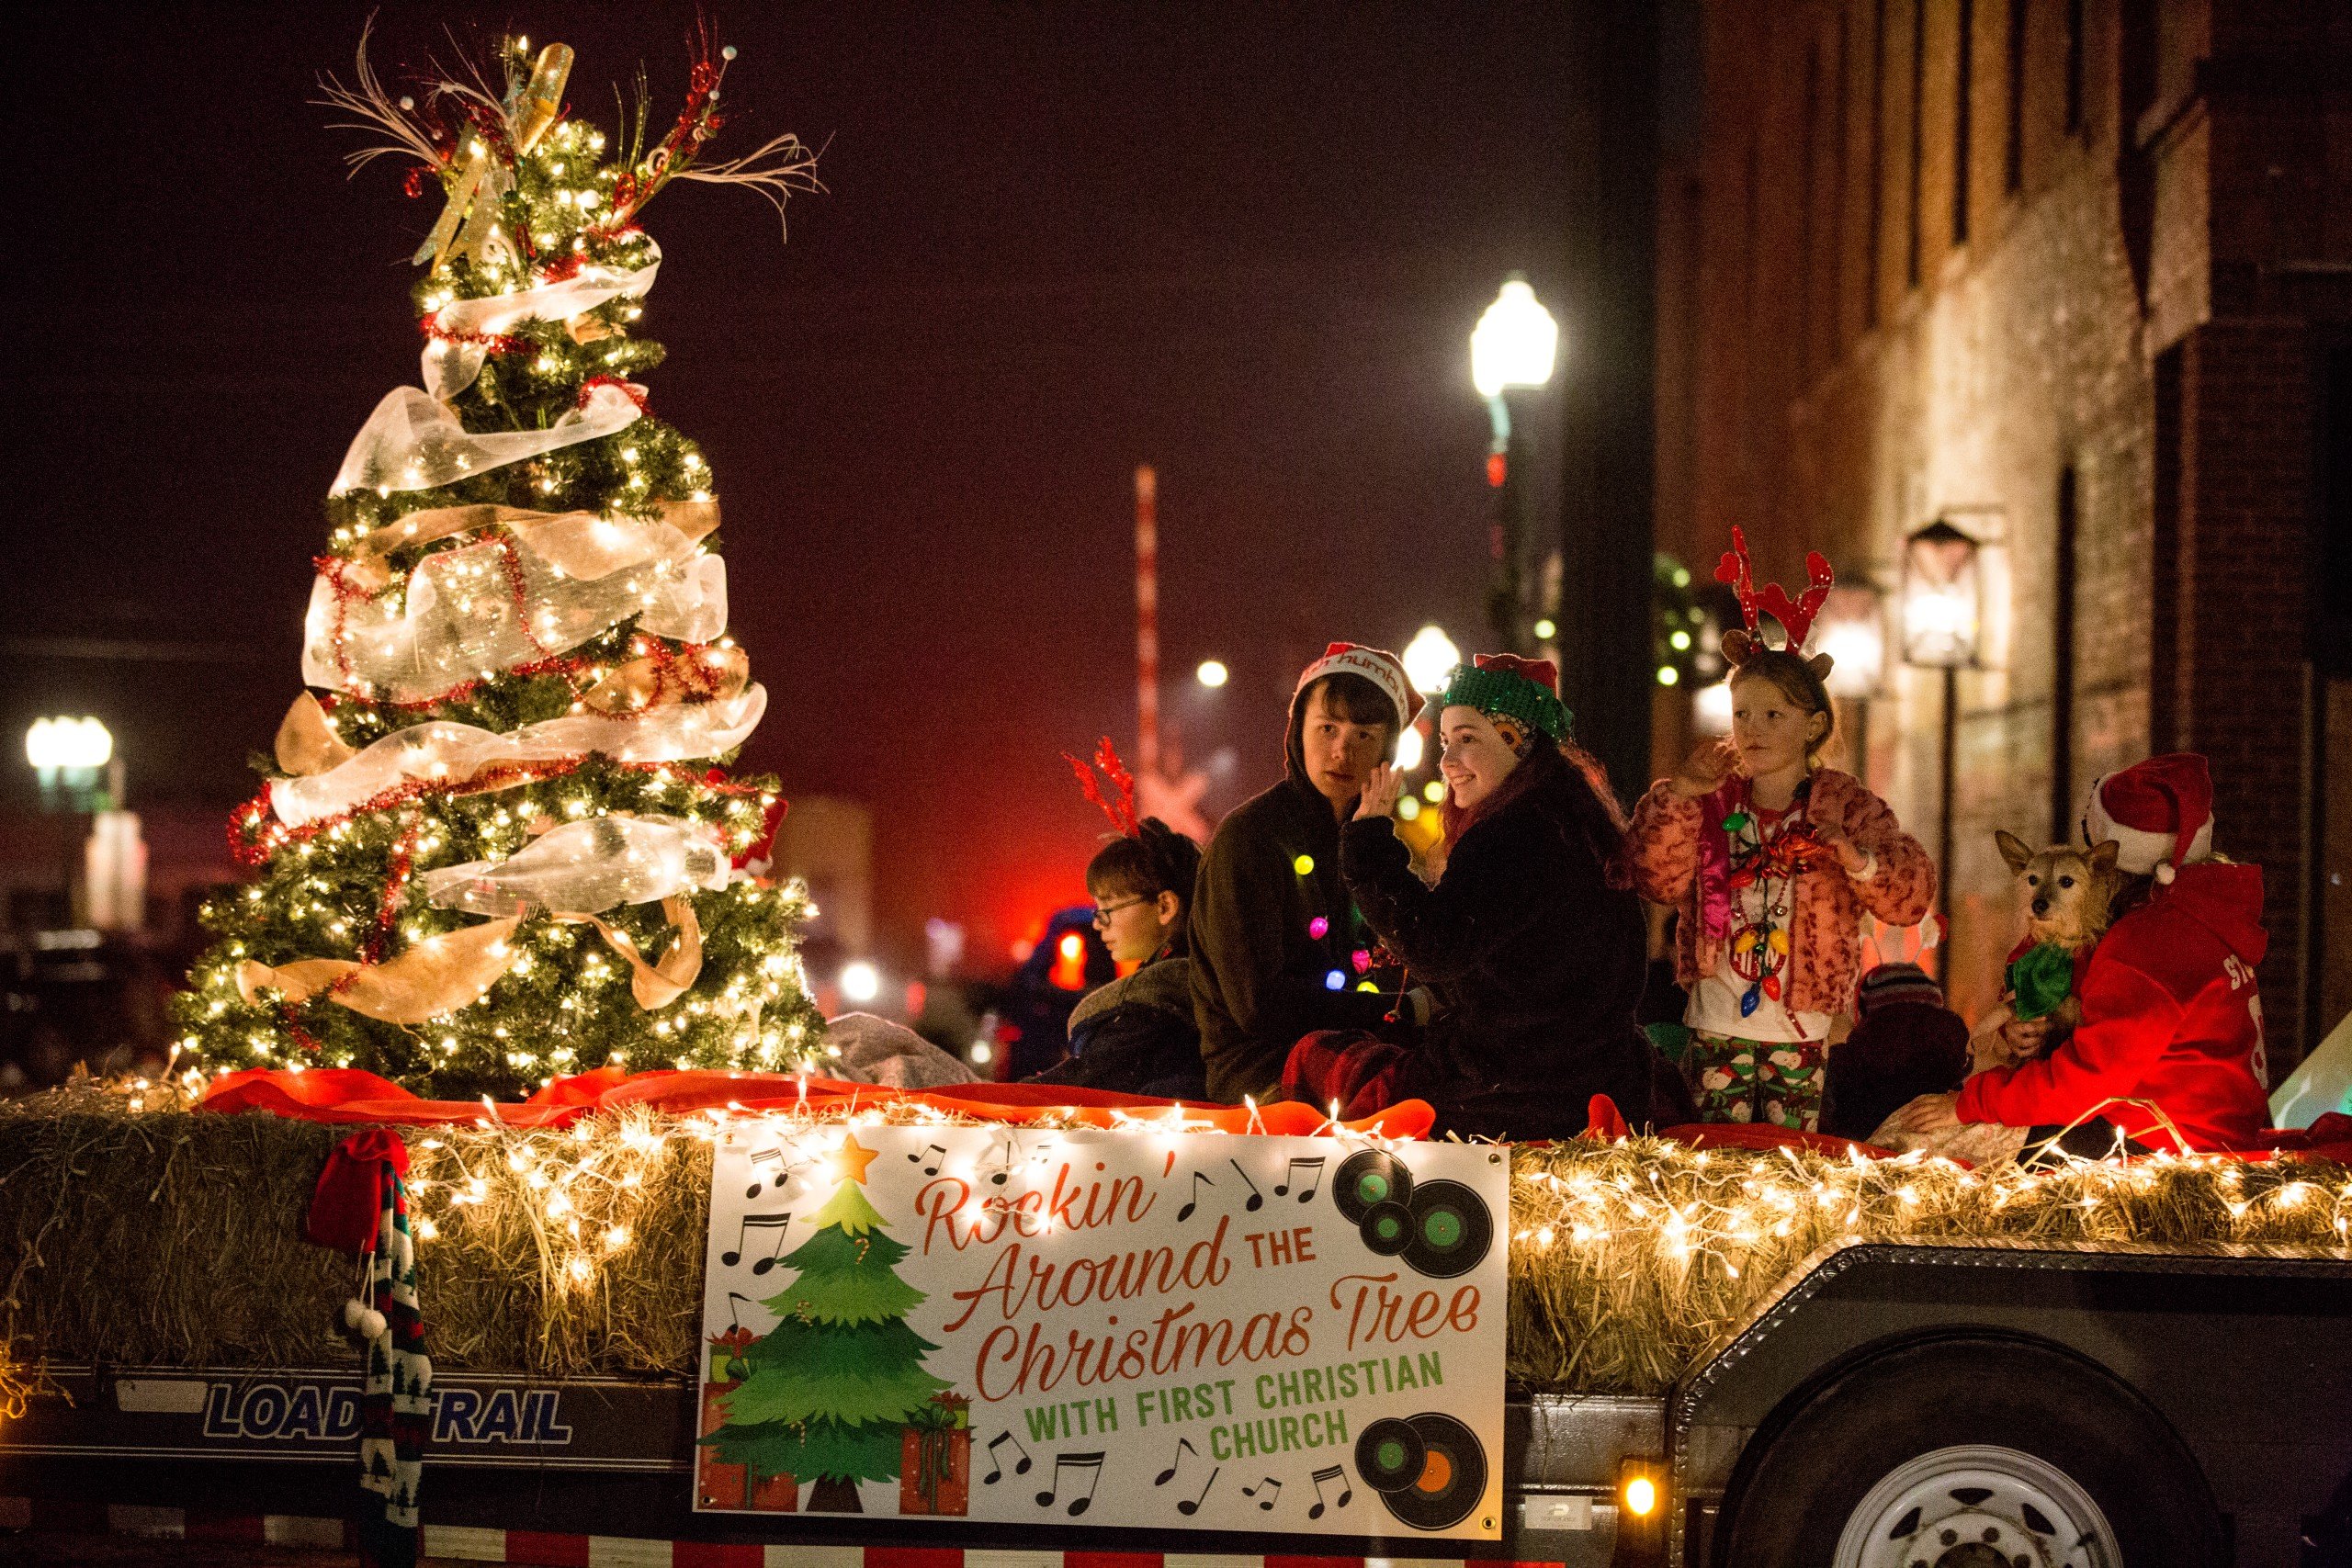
1169	1331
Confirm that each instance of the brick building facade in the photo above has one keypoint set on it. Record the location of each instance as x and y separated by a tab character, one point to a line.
2074	275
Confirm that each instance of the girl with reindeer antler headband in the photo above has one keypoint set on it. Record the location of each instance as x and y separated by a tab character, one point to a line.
1771	859
1136	1034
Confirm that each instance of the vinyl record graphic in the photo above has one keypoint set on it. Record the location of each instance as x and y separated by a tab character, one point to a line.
1387	1229
1390	1455
1451	1231
1453	1476
1369	1177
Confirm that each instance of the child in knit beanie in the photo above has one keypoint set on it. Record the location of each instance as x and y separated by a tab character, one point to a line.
1906	1043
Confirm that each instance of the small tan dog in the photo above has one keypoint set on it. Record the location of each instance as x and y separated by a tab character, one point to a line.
2069	896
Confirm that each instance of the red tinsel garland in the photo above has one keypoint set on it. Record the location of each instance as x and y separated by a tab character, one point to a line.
253	839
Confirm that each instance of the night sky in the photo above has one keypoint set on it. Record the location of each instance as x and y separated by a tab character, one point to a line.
1244	244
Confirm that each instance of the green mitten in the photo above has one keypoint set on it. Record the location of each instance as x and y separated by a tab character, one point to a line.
2042	977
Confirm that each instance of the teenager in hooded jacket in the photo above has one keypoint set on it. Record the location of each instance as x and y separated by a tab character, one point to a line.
1274	934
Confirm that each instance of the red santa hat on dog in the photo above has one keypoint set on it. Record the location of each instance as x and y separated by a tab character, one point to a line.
2159	812
1377	665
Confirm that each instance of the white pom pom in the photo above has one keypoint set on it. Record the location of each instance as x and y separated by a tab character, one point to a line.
2165	872
726	53
371	1323
352	1312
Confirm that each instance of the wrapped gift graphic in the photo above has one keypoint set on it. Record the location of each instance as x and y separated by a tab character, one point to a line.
717	1483
935	1458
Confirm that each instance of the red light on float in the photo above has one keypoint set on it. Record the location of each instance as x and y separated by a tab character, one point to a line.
1497	469
1069	963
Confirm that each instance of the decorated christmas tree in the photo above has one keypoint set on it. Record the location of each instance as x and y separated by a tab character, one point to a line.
828	1393
496	843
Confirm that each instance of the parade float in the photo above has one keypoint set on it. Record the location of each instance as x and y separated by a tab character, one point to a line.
501	1167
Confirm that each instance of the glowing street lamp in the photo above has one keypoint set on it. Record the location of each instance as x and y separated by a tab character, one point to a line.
1429	658
1212	673
1943	595
1516	343
1852	631
68	754
1943	616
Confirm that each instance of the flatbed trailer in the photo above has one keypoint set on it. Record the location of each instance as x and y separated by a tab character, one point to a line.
1952	1405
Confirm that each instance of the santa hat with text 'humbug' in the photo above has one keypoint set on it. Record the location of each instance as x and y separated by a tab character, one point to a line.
2159	812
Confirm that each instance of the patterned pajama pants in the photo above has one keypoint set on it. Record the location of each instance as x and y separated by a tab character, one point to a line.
1774	1081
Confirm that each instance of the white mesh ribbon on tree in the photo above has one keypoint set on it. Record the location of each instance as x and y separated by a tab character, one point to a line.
414	442
546	584
445	751
589	866
455	349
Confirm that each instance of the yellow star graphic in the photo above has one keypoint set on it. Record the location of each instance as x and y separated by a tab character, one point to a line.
853	1159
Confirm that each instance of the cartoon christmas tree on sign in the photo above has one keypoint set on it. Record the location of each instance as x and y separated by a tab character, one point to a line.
832	1388
494	846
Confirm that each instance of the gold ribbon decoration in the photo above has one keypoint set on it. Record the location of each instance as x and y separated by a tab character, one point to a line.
657	985
542	97
437	975
706	674
473	201
306	742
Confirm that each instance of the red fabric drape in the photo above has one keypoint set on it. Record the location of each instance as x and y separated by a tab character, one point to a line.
349	1095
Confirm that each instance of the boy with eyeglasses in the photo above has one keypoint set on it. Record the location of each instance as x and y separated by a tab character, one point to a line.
1135	1034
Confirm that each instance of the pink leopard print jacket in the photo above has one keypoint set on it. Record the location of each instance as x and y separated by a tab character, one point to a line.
1825	962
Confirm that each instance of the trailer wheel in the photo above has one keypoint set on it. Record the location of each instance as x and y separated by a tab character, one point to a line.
1982	1452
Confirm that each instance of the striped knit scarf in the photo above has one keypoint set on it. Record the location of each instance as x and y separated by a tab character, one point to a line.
396	1400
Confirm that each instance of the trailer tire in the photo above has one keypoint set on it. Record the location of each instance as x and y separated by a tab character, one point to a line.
2025	1408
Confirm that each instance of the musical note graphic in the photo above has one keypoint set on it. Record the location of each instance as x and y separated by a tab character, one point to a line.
1089	1465
1183	1446
1185	1213
932	1169
1012	1155
759	1157
1188	1507
1256	1198
776	1222
997	1459
1313	1166
735	1312
1270	1488
1347	1490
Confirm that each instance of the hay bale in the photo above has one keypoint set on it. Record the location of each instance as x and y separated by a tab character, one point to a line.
155	1236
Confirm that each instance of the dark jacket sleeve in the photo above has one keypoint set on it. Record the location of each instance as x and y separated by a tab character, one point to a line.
1484	899
1134	1048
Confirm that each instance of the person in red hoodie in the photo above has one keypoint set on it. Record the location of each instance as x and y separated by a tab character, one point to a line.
2170	1012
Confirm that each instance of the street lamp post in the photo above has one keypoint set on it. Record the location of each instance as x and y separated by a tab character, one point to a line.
1943	603
1853	633
1516	343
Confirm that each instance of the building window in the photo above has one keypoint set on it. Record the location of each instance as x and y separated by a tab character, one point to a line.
2062	663
2166	671
1837	198
1918	135
1964	94
2013	155
1878	161
1805	194
2074	67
